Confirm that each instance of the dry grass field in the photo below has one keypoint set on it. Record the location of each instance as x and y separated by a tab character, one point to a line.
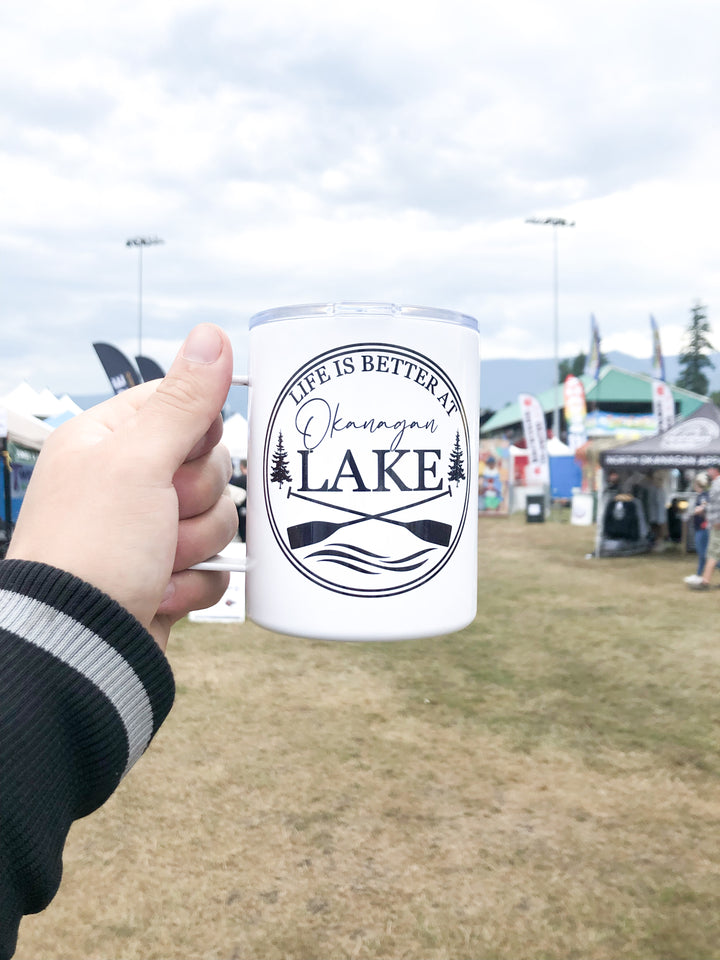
544	784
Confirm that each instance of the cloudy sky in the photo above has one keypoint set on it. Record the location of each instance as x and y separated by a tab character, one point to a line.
291	152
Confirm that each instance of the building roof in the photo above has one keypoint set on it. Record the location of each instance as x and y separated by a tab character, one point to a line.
614	385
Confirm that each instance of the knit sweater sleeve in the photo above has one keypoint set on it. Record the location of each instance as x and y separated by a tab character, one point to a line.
83	689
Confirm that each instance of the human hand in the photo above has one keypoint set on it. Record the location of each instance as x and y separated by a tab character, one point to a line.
129	495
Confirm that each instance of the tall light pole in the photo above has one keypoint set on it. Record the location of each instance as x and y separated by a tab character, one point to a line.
141	242
554	222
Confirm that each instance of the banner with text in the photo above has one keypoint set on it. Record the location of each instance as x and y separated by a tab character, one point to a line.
575	412
533	421
663	406
120	372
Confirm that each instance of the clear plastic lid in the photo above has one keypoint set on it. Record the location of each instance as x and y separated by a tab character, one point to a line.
350	308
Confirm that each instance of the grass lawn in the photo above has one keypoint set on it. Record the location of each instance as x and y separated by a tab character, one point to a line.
543	784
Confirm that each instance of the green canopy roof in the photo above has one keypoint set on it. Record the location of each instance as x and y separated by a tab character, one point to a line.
613	386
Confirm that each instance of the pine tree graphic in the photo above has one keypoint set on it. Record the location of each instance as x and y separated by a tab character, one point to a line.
280	473
456	462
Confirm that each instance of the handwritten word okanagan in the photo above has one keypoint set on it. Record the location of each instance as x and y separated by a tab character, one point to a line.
316	420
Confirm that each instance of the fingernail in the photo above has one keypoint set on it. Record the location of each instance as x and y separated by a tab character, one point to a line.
203	345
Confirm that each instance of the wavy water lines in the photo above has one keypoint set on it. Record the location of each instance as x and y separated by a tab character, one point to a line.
366	562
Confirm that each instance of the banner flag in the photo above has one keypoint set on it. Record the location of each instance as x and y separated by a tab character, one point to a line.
533	421
120	372
149	369
663	406
592	364
575	412
658	363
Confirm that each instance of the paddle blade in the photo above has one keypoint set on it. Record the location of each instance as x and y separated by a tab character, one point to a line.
305	534
432	531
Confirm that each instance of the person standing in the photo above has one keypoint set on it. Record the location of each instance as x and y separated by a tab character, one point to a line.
712	515
239	498
701	533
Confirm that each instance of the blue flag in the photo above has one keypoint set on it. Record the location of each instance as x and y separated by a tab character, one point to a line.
592	364
658	363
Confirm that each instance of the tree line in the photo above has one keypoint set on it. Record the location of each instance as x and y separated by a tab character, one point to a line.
693	359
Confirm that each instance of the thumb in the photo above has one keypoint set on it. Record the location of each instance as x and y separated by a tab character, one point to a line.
189	398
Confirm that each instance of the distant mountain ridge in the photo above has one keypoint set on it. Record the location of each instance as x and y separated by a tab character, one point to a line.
502	380
237	401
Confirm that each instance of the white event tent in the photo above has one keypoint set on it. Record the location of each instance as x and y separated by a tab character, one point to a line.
235	436
42	404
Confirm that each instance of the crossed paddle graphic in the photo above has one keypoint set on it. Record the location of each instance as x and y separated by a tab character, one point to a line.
306	534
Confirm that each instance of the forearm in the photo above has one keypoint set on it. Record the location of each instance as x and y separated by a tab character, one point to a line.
83	689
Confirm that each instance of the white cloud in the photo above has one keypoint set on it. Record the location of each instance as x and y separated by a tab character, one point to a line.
389	150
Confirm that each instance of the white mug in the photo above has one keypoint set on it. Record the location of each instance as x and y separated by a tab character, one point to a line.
362	471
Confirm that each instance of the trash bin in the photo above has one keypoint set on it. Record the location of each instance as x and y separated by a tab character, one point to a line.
535	508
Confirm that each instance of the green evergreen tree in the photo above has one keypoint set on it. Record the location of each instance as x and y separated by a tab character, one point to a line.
280	473
576	367
456	471
694	359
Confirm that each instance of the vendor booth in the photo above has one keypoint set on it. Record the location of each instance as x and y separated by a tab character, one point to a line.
565	474
625	519
21	437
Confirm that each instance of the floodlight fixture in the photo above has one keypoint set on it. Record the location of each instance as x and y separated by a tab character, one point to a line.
554	222
140	243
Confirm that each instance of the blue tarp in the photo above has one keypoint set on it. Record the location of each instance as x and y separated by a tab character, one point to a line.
565	473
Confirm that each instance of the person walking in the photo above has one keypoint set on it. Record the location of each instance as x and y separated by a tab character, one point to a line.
712	515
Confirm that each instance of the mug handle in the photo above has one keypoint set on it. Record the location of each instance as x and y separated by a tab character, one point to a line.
220	562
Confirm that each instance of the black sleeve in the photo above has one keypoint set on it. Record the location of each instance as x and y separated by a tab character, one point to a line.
83	689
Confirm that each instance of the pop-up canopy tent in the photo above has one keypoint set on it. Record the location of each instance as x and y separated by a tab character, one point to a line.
690	444
25	431
23	437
